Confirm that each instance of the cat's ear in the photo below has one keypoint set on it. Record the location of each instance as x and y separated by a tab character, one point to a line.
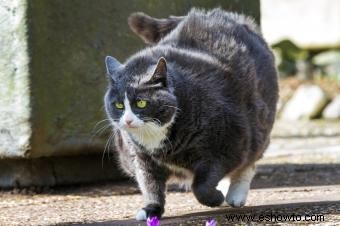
111	65
160	73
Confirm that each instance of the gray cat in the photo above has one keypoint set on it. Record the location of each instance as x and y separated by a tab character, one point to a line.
198	106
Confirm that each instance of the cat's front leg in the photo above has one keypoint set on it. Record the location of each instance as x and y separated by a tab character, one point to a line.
239	186
207	176
151	178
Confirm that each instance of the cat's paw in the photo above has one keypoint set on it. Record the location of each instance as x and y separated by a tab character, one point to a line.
237	194
208	197
151	210
223	186
141	215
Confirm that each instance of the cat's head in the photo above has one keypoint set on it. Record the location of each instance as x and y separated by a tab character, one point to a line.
140	99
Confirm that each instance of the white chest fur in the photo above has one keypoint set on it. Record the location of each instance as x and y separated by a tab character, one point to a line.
150	136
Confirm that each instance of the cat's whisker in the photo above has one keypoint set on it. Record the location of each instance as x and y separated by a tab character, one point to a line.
101	121
96	125
111	143
140	135
99	131
177	108
155	120
169	142
107	147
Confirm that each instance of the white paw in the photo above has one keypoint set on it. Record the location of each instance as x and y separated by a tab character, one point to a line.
237	194
141	215
223	186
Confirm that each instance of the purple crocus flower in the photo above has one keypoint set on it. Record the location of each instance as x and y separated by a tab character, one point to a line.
211	222
153	221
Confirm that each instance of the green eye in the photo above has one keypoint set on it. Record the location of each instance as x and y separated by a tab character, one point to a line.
141	103
119	105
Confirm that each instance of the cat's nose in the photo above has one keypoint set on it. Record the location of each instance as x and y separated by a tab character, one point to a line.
128	122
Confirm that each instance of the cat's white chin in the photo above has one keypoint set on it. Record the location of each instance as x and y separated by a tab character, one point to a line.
150	135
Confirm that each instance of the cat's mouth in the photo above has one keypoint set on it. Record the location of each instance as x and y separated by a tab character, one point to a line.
131	126
145	128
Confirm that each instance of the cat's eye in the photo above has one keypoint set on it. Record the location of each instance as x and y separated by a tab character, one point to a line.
119	105
141	103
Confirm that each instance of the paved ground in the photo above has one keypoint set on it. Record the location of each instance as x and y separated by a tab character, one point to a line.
298	176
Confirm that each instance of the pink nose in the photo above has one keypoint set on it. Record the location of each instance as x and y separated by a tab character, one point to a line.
128	122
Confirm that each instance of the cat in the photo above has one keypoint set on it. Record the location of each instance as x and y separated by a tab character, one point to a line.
197	105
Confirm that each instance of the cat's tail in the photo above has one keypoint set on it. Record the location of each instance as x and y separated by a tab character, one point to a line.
151	29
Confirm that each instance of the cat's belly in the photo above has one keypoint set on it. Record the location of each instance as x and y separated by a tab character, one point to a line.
180	175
